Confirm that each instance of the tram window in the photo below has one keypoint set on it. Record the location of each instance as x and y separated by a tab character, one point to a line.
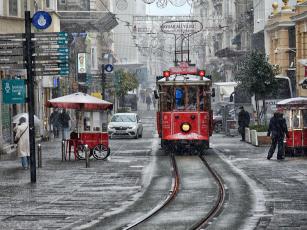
295	119
204	100
166	98
179	97
192	99
304	117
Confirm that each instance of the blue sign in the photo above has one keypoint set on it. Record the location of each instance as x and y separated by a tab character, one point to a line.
41	20
108	68
13	91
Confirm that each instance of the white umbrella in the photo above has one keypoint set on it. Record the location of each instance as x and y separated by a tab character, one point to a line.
16	118
81	101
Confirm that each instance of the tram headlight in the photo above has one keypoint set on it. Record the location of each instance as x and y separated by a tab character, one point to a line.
185	127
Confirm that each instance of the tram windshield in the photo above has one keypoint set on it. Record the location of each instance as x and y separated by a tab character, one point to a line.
183	97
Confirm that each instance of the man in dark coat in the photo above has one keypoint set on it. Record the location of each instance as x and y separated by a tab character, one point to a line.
277	130
243	121
64	119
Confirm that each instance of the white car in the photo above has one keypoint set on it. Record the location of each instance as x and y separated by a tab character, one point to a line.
125	124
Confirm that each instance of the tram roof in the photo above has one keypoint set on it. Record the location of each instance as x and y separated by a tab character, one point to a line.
295	101
185	79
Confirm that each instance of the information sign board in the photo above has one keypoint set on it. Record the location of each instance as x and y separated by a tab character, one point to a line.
14	91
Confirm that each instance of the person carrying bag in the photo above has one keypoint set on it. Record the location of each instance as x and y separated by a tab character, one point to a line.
22	141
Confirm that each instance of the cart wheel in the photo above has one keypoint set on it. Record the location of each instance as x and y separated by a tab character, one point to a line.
101	152
81	152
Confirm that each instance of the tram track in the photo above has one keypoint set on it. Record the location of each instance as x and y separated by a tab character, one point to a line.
172	194
207	218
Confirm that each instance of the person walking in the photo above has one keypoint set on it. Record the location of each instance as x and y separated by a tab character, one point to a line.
148	101
64	120
154	101
243	121
55	122
277	130
22	141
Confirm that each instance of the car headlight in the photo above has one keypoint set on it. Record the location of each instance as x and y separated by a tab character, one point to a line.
133	127
185	127
110	127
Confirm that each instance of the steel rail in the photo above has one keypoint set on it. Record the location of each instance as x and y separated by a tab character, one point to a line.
172	194
215	210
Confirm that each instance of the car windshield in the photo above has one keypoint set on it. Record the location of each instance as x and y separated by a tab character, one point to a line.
123	118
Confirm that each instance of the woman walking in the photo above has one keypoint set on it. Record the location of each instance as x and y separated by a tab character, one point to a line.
23	144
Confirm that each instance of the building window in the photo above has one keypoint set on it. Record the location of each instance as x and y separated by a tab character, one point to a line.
63	2
1	7
47	3
94	58
13	7
25	5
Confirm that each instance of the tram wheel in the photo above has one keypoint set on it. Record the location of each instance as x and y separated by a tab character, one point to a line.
81	152
101	152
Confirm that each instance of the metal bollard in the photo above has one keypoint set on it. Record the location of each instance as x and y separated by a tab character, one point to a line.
87	156
63	150
39	156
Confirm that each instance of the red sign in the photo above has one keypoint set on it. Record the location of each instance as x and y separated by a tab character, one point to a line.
305	71
183	68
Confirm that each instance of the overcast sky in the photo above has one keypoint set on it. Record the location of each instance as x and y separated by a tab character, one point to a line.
152	9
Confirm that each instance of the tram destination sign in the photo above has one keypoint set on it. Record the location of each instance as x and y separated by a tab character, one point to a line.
186	27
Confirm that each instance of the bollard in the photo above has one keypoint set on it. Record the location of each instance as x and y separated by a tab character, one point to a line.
63	150
87	156
39	156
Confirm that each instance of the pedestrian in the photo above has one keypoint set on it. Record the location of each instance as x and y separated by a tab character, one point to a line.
55	122
148	101
243	121
64	120
22	141
154	101
277	130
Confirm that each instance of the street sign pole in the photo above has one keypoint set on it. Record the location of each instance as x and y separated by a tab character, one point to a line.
30	90
103	82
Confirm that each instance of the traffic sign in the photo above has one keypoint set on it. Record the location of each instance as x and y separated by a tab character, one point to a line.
50	42
51	50
51	34
12	66
53	57
41	20
14	91
11	59
51	72
108	68
11	52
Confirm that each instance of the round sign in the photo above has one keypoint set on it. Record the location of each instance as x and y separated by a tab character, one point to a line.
41	20
108	68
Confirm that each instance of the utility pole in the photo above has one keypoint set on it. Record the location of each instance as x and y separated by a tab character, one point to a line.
103	82
30	92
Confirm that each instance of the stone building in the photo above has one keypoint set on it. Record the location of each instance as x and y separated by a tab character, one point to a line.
12	21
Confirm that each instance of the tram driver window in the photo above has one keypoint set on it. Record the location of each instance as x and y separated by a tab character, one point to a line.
179	97
304	117
192	98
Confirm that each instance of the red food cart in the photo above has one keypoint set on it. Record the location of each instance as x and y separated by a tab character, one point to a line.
90	126
295	113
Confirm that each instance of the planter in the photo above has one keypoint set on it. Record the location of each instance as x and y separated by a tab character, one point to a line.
254	139
259	138
247	135
263	139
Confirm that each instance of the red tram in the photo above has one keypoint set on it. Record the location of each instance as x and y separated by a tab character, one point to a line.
184	115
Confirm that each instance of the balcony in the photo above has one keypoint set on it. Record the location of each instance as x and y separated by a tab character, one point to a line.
90	21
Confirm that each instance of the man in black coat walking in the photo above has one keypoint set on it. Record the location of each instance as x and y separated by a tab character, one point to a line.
277	130
243	121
